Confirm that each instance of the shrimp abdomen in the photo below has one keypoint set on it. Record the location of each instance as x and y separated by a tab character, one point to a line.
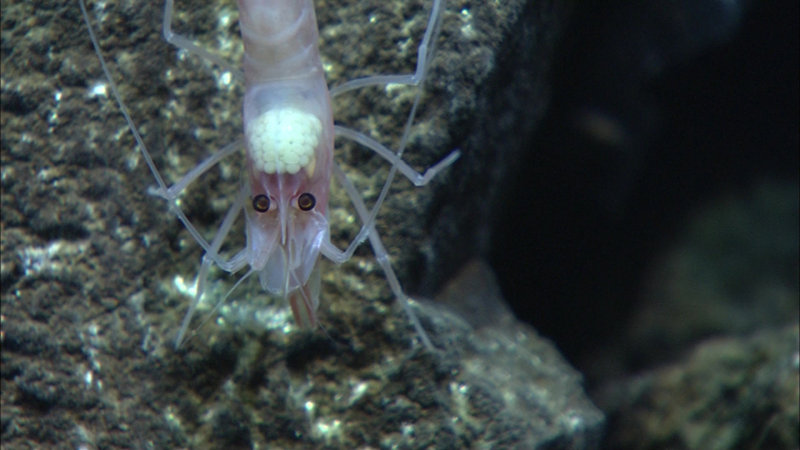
280	39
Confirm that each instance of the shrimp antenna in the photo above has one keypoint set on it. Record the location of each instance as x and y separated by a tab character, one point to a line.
182	333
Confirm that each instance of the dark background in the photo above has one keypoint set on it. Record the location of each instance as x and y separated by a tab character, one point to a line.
655	110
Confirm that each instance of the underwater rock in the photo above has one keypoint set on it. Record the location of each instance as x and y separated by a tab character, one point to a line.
537	397
730	392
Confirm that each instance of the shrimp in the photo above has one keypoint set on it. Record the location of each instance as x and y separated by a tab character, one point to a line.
288	140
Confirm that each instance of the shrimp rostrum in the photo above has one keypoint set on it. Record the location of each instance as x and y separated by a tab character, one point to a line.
288	141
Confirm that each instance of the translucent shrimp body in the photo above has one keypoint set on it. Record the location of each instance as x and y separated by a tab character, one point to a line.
288	139
289	143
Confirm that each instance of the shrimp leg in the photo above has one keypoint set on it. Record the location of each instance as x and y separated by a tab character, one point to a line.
381	255
185	43
171	194
368	230
418	179
168	193
236	263
424	56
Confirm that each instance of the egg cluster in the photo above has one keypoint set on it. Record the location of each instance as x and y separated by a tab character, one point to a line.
283	140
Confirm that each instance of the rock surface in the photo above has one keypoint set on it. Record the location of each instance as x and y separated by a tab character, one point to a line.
95	272
731	392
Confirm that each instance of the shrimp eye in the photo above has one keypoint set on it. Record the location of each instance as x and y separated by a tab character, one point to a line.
261	203
306	202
